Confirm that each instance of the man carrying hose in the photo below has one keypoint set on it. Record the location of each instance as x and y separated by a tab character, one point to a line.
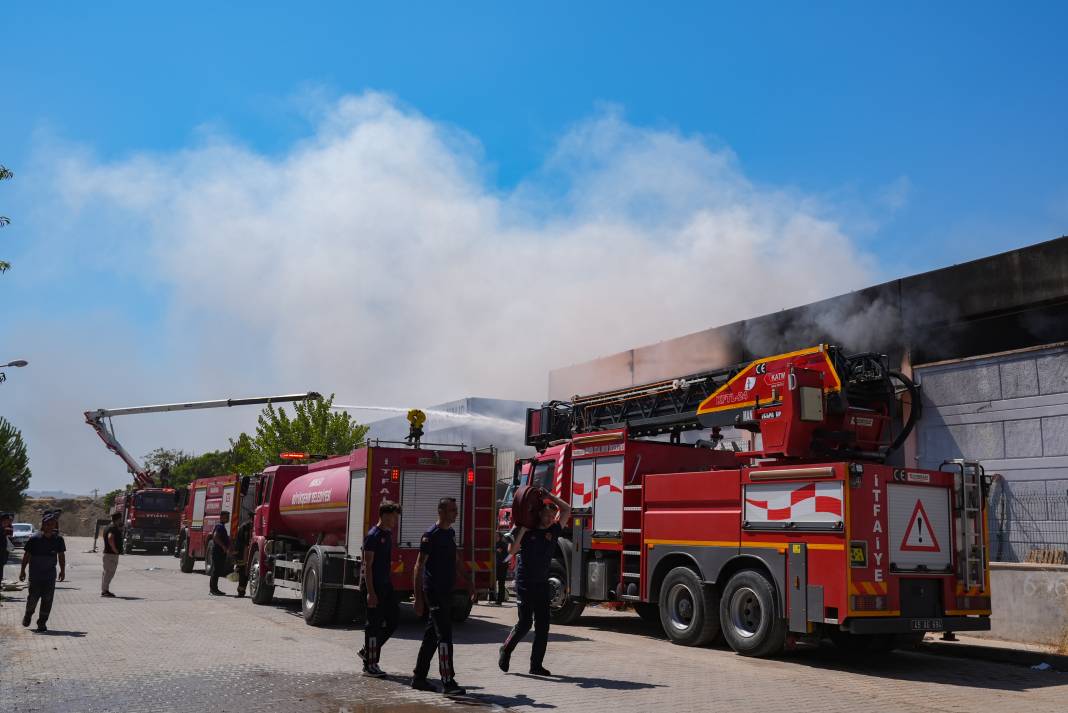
535	548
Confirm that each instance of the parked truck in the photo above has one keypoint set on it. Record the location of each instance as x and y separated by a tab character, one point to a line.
150	519
203	502
310	521
808	533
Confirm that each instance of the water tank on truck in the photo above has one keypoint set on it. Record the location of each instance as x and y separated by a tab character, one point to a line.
314	505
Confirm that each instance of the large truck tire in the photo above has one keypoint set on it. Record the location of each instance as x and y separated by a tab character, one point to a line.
689	610
461	607
185	557
209	561
562	608
259	590
351	608
319	603
176	549
747	610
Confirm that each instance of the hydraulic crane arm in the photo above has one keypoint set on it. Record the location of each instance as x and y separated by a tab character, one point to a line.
100	421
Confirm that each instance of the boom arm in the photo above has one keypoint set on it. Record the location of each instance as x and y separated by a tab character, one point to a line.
100	421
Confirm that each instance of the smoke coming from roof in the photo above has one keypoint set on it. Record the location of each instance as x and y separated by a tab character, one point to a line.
375	259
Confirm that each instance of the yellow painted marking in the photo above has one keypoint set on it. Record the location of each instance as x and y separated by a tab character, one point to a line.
733	543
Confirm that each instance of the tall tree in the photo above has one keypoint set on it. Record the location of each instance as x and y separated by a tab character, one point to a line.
5	174
14	467
162	462
314	428
204	465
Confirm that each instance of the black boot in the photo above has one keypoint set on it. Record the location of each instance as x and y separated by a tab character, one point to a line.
504	657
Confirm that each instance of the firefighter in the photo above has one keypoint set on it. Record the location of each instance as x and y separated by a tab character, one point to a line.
241	543
43	550
535	548
383	607
112	550
435	574
220	549
501	553
5	532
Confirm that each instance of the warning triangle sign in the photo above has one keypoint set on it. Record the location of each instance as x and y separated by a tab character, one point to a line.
919	537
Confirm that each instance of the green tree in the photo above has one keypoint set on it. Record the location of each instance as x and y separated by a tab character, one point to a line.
5	174
109	497
314	428
205	465
163	461
14	467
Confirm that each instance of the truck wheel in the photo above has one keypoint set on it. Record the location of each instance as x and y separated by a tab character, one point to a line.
689	611
562	608
351	607
127	545
209	562
648	611
748	612
260	592
461	607
185	559
319	603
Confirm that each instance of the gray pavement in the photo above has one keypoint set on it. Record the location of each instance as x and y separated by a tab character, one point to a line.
168	646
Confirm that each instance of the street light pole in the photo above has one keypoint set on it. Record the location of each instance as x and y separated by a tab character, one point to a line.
16	363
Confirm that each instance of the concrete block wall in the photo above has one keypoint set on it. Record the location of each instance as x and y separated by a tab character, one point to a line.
1029	604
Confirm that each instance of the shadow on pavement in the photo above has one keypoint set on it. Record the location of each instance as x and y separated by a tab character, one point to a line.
476	695
593	682
58	632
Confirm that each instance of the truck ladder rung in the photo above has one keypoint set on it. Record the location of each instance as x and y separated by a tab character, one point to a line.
632	553
632	575
632	509
629	598
632	487
631	531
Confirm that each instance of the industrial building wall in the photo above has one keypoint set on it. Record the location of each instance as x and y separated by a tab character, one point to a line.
1009	411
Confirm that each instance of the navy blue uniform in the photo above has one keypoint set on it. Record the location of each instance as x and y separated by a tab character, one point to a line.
382	619
532	590
218	555
439	576
501	553
44	556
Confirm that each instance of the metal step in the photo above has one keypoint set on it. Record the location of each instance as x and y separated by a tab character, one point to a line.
632	575
632	509
629	598
632	553
631	531
632	487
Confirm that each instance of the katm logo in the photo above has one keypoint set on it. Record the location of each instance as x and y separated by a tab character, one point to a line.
316	482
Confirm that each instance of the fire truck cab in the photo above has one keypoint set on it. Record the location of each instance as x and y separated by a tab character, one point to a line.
807	535
203	502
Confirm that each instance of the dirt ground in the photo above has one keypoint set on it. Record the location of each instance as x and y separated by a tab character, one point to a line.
79	514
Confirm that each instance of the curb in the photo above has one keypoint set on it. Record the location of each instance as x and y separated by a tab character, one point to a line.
1016	657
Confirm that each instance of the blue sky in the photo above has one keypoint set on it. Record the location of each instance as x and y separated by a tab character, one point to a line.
848	142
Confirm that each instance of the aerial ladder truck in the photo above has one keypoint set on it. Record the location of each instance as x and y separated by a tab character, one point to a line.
806	532
151	509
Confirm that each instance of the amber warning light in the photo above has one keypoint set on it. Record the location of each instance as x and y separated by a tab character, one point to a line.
292	455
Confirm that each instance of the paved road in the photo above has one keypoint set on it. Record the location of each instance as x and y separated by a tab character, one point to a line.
168	646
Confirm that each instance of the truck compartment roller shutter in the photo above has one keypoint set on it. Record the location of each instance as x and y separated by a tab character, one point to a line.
420	492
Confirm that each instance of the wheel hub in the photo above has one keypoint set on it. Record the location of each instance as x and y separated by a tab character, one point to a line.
681	607
556	592
746	613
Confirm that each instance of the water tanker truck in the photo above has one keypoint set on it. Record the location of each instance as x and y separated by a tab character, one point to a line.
310	521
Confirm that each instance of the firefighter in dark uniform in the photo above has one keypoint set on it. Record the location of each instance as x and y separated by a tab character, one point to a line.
6	531
241	542
501	554
435	575
220	550
383	607
535	548
43	551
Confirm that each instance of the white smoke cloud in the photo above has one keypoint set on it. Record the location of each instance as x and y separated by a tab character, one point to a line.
375	260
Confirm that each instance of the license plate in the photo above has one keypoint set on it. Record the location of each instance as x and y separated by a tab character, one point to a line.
927	625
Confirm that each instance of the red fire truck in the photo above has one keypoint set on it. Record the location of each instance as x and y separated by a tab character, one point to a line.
807	534
150	519
203	501
521	476
310	521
